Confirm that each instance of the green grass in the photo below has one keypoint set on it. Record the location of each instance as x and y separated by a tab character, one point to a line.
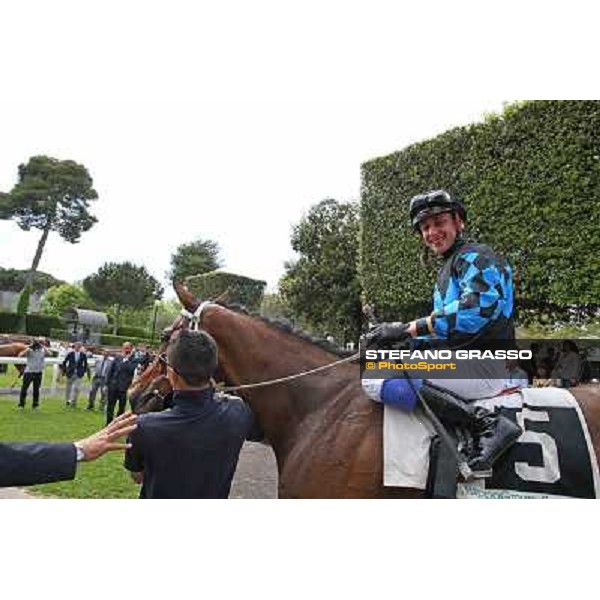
104	478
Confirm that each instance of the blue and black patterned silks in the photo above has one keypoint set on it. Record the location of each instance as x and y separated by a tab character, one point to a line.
473	296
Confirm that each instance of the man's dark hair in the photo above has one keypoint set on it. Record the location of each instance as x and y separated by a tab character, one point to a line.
193	356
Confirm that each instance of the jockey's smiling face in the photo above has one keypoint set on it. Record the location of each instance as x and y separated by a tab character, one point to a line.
440	231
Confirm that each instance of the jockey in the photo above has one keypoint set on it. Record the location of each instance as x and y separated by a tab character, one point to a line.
472	303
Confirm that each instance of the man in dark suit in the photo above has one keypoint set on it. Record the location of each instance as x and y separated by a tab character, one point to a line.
118	379
74	366
40	462
192	449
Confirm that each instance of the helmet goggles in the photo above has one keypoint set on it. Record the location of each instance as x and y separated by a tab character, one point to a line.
433	203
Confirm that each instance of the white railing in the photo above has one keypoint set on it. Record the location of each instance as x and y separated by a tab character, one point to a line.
50	360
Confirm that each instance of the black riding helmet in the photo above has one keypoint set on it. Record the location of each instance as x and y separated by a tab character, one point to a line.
435	202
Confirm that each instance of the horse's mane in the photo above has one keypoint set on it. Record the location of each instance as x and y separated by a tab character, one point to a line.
287	327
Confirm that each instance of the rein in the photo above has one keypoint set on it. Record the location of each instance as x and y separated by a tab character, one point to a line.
248	386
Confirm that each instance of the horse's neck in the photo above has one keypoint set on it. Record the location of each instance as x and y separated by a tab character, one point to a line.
252	351
255	349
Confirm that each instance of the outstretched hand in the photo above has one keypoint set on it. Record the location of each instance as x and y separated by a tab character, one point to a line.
106	440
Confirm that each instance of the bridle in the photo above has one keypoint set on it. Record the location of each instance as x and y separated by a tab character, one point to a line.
194	318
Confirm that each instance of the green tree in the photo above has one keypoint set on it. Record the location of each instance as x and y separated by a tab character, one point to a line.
50	195
274	306
23	305
194	258
143	318
122	285
166	312
61	298
322	286
13	280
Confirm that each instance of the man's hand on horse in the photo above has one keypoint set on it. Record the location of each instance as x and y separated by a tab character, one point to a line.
386	333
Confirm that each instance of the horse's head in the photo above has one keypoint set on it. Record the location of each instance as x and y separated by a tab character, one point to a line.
151	387
151	391
148	391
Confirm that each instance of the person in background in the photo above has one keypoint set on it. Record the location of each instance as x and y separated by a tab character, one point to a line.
99	380
75	366
549	360
103	403
143	358
63	350
568	366
542	378
530	366
34	371
517	377
118	379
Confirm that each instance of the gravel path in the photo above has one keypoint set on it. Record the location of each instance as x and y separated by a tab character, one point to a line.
256	475
14	494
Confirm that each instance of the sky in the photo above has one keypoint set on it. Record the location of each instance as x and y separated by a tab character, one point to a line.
228	121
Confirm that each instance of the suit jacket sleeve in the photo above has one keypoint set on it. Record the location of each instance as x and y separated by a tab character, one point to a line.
69	358
110	372
33	463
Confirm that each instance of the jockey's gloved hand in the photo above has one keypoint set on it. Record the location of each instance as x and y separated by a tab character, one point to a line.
387	332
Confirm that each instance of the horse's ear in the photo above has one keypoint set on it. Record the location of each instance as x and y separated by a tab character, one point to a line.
185	296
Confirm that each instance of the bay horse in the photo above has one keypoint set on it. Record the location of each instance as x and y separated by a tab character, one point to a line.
14	349
327	435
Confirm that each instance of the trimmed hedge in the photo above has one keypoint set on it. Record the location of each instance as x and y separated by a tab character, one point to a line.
138	332
9	322
42	324
23	303
34	324
105	339
240	289
530	179
13	280
59	334
117	340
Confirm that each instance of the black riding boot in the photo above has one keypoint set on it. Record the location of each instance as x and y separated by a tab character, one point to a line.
493	434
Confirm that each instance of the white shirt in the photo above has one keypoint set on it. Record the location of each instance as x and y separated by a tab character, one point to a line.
517	378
